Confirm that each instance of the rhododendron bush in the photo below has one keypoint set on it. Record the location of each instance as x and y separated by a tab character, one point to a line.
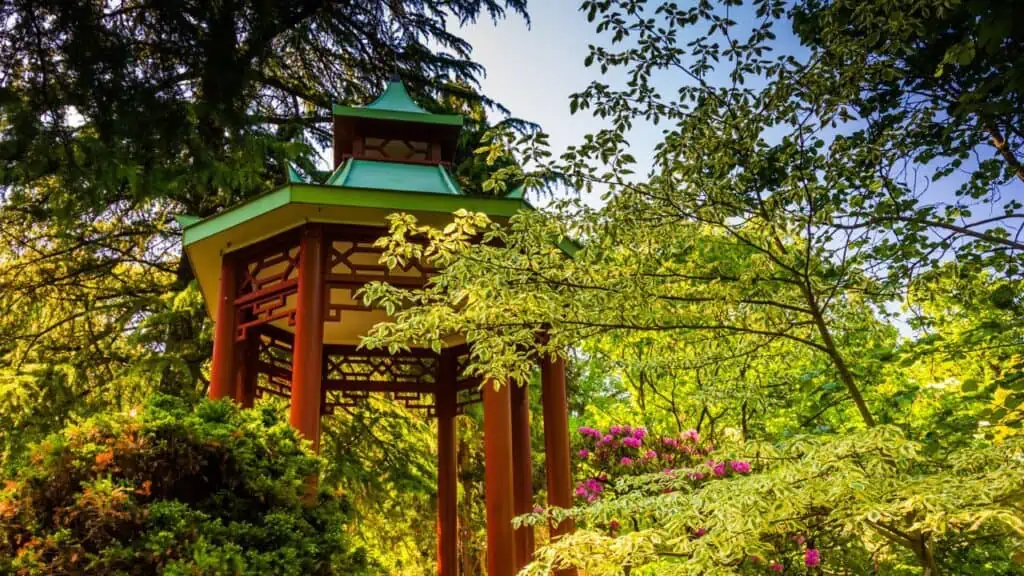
173	490
675	505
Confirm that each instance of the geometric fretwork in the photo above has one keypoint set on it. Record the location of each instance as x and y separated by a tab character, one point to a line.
395	149
269	278
265	304
273	361
352	262
350	375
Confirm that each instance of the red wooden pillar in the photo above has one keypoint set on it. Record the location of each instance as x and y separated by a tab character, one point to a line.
522	464
498	485
248	355
447	475
307	351
223	370
556	441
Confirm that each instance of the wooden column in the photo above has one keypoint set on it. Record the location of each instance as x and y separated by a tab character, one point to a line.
556	442
307	351
522	465
447	473
223	370
247	354
501	552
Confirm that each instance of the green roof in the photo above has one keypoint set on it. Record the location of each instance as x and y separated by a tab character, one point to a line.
396	104
394	200
382	175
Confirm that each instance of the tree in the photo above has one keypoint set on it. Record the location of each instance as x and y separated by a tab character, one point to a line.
113	119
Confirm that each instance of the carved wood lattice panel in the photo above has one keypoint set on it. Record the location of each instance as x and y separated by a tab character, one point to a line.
396	149
351	375
351	264
267	288
274	362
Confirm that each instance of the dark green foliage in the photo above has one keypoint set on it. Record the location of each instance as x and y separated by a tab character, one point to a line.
174	490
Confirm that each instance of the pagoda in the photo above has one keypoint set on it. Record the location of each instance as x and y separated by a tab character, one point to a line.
279	275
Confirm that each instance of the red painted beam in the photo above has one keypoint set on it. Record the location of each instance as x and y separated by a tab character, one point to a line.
307	355
498	487
248	369
447	473
522	464
556	442
223	371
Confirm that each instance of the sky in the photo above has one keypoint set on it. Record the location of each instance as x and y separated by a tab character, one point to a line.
533	69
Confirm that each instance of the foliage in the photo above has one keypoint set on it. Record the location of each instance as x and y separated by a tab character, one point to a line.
868	502
114	118
174	490
785	274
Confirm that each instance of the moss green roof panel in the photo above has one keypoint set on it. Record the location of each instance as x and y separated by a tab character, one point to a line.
377	175
398	201
396	98
396	104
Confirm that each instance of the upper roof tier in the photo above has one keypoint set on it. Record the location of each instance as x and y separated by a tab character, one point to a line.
395	104
394	128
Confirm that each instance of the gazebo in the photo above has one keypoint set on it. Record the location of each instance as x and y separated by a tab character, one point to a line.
279	274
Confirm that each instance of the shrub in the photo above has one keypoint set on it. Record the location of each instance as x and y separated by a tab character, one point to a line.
174	490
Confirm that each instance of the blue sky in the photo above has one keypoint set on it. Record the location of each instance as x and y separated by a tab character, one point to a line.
533	69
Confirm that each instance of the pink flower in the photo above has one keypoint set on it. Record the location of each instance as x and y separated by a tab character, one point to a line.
699	532
631	442
669	472
588	431
650	455
639	433
799	539
698	476
614	526
583	454
608	439
581	490
594	485
812	558
626	461
615	429
627	430
538	509
719	470
669	441
740	466
692	435
776	567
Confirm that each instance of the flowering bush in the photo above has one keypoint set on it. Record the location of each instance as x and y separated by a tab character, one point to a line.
607	459
806	506
173	490
621	451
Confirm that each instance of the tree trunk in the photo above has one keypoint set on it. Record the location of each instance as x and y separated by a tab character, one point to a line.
1000	143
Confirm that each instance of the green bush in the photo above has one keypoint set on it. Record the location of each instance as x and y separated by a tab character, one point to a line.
174	490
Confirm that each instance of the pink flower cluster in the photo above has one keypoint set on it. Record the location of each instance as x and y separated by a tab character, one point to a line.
812	558
590	489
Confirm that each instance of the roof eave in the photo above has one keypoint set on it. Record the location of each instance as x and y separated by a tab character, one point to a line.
398	201
400	115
